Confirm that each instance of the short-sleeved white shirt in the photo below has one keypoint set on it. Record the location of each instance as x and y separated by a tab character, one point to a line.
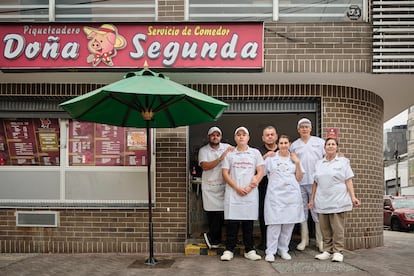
242	167
309	153
332	194
212	182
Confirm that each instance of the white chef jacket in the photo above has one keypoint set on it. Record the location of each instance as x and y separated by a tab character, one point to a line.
332	194
242	167
212	182
309	153
283	202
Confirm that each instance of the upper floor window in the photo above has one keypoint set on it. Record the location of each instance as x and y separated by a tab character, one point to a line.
276	10
228	10
319	10
78	10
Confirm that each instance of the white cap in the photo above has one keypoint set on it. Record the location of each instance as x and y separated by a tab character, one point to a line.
304	121
213	129
241	128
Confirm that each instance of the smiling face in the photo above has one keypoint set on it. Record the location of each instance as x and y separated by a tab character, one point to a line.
283	144
331	147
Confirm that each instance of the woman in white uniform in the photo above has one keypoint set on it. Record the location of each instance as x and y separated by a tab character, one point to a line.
332	196
283	203
242	171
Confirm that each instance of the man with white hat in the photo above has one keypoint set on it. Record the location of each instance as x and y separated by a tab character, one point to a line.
309	149
210	158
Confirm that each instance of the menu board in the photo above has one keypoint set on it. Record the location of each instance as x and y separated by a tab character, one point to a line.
93	144
29	142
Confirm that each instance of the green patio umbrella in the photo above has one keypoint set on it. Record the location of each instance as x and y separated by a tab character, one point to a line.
145	99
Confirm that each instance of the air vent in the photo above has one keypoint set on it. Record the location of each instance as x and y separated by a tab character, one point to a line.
37	219
393	36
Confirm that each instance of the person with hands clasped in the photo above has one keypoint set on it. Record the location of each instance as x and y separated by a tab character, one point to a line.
242	171
283	203
332	196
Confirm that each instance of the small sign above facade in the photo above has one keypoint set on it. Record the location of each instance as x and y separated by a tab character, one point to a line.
164	45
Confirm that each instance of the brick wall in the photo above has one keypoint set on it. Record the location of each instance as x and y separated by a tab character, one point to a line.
170	10
317	47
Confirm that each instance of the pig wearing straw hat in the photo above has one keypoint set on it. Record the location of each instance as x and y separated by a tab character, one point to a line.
103	43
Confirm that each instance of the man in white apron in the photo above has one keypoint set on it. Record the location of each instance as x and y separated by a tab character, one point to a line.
242	171
210	158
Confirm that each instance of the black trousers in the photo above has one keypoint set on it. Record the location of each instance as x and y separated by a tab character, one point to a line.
263	228
232	230
215	220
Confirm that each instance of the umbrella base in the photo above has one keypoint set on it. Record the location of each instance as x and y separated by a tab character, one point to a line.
151	261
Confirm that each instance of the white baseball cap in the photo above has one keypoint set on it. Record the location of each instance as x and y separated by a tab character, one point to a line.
241	128
304	121
213	129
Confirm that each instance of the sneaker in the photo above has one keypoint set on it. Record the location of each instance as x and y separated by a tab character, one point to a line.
323	256
227	256
207	240
285	256
215	246
252	255
270	258
337	257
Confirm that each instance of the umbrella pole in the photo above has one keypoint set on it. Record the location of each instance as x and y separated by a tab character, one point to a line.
151	260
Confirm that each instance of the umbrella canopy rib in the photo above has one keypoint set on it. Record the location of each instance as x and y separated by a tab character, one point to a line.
92	107
200	107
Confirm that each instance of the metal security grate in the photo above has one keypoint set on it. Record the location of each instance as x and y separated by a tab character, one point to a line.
393	37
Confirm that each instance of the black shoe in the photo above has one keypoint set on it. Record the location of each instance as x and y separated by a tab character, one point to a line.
207	240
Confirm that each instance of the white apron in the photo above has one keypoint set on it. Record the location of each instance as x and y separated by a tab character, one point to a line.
242	167
212	182
283	202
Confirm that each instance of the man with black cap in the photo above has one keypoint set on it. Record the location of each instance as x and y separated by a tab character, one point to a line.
309	149
210	158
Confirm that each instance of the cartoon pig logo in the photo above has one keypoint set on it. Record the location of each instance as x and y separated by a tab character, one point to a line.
103	43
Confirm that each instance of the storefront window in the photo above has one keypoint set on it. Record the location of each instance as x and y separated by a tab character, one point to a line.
29	142
93	144
63	162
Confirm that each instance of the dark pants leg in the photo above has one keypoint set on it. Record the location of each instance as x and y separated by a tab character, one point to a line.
232	230
247	228
215	224
263	228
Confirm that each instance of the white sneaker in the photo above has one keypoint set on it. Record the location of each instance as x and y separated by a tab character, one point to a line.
337	257
323	256
227	256
206	239
302	245
252	255
285	256
270	258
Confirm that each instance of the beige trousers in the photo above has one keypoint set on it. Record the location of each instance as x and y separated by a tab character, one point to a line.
333	233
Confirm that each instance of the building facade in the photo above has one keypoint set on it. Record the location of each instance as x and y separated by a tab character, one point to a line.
315	63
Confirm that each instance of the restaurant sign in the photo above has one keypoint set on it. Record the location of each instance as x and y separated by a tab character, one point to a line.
113	45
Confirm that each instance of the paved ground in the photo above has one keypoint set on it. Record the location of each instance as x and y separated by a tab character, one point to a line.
396	257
